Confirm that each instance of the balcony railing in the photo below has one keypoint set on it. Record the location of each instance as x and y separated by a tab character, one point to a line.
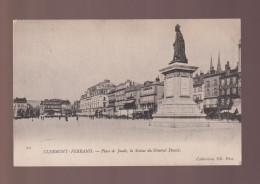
148	94
146	102
211	106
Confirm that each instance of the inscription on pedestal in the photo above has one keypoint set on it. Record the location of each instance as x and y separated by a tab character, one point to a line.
169	87
185	86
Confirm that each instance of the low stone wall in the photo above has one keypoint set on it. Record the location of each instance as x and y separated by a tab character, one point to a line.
192	123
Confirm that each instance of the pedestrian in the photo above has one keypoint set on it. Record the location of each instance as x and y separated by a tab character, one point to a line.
77	118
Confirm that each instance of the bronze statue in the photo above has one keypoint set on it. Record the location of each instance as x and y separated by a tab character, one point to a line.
179	47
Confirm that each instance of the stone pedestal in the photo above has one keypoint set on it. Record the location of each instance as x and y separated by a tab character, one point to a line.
178	108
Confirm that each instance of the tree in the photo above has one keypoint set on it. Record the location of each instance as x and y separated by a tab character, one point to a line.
230	104
155	107
197	100
219	107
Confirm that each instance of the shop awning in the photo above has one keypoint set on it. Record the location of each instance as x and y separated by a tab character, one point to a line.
142	110
129	101
224	111
129	104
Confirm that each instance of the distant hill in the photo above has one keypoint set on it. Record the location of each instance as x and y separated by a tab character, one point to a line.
34	103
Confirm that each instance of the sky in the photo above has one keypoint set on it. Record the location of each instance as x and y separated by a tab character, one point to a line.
62	58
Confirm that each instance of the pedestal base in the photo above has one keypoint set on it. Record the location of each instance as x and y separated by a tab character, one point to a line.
174	122
179	116
177	109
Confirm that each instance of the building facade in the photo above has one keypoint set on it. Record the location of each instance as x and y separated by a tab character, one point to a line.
120	98
198	90
211	90
230	89
95	99
111	108
55	108
150	94
132	99
84	105
66	108
20	106
51	107
76	107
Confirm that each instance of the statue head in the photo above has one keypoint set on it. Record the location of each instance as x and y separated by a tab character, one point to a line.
177	28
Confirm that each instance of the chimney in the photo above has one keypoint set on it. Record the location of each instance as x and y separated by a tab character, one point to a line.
227	67
157	79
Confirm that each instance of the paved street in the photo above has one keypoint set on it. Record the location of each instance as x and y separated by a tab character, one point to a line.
115	130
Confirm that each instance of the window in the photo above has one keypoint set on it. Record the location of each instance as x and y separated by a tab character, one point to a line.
234	80
208	84
194	97
222	82
234	90
208	92
199	89
222	92
239	82
228	100
215	91
215	82
228	91
199	96
212	102
207	101
222	101
228	81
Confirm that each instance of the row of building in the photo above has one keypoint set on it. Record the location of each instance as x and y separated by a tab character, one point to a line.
215	91
218	90
126	99
23	108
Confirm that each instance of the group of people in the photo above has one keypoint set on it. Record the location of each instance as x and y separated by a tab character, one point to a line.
66	117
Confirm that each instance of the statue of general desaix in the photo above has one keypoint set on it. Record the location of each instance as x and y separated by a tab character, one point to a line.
179	47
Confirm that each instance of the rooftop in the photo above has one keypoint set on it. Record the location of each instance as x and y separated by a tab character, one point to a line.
20	100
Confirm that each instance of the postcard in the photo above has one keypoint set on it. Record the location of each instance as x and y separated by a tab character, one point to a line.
128	92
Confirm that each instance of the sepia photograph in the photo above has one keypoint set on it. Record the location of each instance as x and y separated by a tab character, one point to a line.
128	92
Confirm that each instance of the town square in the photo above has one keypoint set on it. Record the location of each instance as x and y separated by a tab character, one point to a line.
168	89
